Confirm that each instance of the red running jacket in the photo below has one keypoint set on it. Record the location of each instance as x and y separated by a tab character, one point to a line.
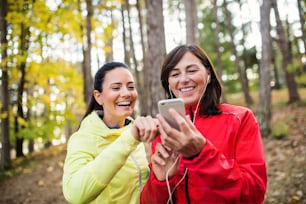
230	168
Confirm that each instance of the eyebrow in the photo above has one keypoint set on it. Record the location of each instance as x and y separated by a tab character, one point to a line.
188	66
192	65
119	83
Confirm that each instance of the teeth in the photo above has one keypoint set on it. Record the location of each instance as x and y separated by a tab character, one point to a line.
186	89
124	103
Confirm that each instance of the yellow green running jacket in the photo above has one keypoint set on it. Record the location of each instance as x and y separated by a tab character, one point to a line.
104	165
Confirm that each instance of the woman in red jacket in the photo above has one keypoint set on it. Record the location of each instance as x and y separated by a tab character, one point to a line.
217	156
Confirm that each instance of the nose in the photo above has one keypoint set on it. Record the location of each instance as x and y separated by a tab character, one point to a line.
184	77
125	91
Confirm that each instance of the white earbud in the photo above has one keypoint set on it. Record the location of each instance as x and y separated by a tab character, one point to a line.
208	78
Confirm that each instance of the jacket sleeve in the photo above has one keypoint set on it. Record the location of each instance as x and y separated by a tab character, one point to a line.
85	174
243	177
155	191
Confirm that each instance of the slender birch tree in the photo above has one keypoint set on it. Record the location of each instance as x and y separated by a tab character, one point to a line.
264	106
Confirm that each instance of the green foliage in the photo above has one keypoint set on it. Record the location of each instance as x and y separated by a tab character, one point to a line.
280	129
232	86
301	80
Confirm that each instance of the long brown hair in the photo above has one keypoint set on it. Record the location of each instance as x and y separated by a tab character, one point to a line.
211	98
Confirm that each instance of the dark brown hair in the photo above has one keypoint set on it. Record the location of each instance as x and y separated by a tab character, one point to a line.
211	99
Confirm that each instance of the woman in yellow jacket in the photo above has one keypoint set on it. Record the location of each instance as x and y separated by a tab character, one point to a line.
106	161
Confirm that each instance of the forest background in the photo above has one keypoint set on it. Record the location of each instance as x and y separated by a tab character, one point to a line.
51	49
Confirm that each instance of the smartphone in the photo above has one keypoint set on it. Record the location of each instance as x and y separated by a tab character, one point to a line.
175	103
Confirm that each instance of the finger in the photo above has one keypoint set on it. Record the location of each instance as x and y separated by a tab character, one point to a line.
184	122
162	151
145	128
150	129
140	125
156	159
153	128
163	123
167	141
180	119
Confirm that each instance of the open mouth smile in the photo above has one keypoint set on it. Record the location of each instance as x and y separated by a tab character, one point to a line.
124	103
187	89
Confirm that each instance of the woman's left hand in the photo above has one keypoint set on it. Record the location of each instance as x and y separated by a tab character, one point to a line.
188	141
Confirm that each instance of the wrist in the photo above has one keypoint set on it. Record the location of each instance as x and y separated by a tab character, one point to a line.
199	148
193	156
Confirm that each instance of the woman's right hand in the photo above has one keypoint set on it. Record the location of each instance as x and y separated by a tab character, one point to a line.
145	129
164	162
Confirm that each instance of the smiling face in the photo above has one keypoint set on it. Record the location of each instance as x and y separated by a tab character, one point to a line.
118	96
188	79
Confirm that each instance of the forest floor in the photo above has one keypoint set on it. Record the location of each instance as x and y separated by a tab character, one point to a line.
37	177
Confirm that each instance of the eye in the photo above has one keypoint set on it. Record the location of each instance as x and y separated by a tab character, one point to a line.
174	74
131	87
192	70
115	88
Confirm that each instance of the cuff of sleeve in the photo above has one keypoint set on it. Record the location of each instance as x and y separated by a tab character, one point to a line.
192	157
202	155
128	139
172	181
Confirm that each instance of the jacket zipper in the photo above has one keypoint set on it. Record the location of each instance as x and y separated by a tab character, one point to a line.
191	113
186	187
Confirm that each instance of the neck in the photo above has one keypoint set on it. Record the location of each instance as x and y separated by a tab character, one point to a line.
111	122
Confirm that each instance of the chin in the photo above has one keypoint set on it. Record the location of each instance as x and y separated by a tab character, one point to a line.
126	113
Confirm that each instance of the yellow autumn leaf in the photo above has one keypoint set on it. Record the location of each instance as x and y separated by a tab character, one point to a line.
22	121
40	182
3	115
27	170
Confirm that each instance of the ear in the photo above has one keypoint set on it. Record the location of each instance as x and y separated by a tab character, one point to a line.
208	71
97	95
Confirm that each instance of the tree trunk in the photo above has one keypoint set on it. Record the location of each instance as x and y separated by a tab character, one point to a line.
20	112
156	50
244	65
19	141
287	57
124	37
218	47
191	22
109	55
241	73
264	106
302	22
88	80
131	43
135	65
277	84
29	113
31	146
23	48
143	85
5	125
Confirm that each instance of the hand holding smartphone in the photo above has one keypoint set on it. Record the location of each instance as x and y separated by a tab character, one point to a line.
175	103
